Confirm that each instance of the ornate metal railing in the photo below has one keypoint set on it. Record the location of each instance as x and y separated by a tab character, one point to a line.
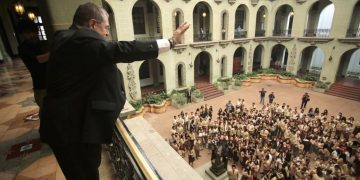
259	33
324	33
202	37
282	32
127	157
353	33
146	38
240	34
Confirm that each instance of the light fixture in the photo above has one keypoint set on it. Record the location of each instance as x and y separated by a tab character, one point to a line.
264	16
175	14
31	16
330	58
204	14
19	8
191	65
291	13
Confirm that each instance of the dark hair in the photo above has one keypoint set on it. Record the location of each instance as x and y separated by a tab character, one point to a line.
88	11
25	26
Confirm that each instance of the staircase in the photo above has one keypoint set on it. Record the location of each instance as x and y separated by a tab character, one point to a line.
209	91
343	90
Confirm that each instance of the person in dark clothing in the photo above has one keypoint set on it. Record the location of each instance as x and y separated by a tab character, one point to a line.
188	95
304	100
271	97
262	95
84	96
33	53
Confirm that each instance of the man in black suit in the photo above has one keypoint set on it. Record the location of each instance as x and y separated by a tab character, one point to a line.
84	89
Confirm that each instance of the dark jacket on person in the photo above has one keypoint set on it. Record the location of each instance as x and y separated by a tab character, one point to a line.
84	87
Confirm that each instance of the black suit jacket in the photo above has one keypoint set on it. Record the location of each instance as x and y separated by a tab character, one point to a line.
83	86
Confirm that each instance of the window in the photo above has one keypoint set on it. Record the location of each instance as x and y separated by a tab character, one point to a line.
41	31
138	20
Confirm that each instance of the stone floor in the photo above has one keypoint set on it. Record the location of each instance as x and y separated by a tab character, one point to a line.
16	103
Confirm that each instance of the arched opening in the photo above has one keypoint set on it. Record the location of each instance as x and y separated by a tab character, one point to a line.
146	17
112	31
261	18
223	67
354	26
238	62
224	25
241	22
178	19
202	22
349	67
258	56
312	59
283	21
319	19
202	67
152	77
279	57
180	76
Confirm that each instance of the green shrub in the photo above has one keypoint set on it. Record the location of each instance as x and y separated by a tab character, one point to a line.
308	77
237	82
287	74
321	85
137	104
197	94
267	71
240	77
224	85
154	99
178	98
252	74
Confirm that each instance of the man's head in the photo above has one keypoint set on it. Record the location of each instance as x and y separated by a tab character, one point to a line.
92	16
29	30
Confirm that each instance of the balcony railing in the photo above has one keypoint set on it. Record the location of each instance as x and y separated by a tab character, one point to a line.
353	33
202	37
322	33
127	163
146	38
282	32
260	33
240	34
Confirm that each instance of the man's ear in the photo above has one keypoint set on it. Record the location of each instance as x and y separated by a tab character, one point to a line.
91	23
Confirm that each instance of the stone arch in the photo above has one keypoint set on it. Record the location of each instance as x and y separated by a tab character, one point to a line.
152	76
241	21
239	60
203	67
319	22
202	22
311	62
258	57
224	24
180	75
354	26
223	66
283	20
261	21
279	57
349	64
112	31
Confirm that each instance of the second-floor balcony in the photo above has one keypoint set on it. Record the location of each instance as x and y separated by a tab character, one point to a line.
146	38
240	34
322	33
282	32
353	33
260	33
202	37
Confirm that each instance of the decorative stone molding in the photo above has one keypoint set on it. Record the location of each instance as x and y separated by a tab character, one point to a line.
293	55
180	48
261	39
254	2
280	39
186	1
314	40
241	41
355	41
250	56
231	2
202	45
300	1
218	1
132	84
223	44
167	0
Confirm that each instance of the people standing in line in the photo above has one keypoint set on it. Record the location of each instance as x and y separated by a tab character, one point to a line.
34	54
271	97
84	96
262	95
304	100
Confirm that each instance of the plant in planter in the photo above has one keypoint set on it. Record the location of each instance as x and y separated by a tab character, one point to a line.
267	71
321	86
178	99
252	74
138	104
154	99
237	82
240	77
308	77
197	96
287	74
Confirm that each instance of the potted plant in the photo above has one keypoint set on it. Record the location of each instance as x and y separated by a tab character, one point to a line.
321	86
178	100
305	81
155	103
237	84
286	77
197	96
139	108
253	77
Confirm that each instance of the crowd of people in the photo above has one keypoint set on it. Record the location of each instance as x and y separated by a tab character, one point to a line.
271	141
